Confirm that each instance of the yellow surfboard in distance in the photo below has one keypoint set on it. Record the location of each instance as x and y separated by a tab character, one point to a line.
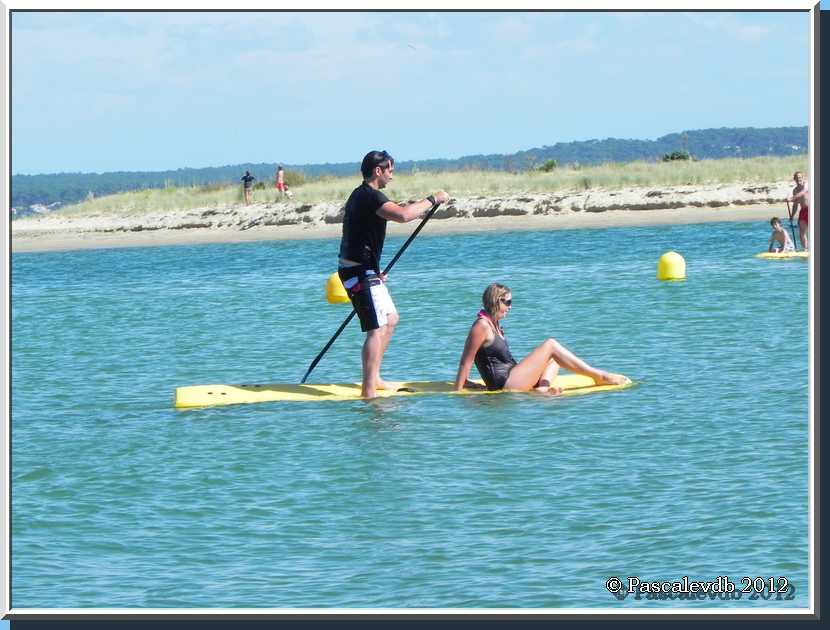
211	395
783	255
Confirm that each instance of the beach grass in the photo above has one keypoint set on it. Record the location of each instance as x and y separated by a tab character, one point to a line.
468	183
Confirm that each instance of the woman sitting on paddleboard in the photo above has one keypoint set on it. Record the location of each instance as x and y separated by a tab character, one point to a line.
487	347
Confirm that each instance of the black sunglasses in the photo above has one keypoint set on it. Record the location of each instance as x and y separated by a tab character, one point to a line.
506	302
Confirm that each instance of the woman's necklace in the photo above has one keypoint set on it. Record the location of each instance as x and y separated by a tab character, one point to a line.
494	322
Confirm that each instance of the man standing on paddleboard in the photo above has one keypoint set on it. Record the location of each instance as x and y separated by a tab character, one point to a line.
364	230
801	197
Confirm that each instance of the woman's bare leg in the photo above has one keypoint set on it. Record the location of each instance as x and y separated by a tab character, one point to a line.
530	369
546	380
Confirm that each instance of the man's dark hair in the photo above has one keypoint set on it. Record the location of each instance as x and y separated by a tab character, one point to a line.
373	159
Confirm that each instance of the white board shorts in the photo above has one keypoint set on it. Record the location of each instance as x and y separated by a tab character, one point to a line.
370	297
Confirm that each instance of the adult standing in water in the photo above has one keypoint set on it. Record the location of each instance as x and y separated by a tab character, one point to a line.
801	200
247	184
364	230
486	346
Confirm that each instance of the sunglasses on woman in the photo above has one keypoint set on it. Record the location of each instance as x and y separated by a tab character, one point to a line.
506	302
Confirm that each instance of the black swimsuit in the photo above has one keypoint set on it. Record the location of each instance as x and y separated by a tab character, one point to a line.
494	362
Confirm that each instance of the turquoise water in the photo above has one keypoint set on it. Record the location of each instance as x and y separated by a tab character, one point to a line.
516	500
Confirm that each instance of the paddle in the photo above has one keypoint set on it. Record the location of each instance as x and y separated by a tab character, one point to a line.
792	229
385	271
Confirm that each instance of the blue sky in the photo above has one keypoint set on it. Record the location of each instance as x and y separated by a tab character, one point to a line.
96	92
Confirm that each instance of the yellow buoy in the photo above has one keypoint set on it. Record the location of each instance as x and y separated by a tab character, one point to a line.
671	266
335	291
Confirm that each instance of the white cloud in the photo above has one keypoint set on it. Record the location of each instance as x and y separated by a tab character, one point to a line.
567	46
730	25
579	46
217	72
753	33
514	28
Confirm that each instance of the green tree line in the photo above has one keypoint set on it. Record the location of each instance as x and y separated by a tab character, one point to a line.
699	144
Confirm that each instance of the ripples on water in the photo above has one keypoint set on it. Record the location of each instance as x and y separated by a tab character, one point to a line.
495	501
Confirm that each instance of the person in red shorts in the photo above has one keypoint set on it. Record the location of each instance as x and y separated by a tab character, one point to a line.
280	180
801	201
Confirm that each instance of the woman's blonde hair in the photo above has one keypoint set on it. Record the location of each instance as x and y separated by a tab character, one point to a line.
491	296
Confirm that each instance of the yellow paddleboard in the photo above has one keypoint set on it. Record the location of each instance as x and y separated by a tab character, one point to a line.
209	395
783	255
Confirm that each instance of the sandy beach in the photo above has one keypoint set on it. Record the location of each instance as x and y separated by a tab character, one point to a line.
294	220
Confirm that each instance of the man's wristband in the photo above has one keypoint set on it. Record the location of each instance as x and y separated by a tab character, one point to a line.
431	199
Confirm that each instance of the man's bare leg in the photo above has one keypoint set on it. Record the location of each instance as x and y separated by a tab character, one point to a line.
388	331
371	357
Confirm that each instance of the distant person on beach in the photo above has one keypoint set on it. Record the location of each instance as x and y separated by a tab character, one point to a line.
364	230
247	182
781	237
486	346
279	180
801	199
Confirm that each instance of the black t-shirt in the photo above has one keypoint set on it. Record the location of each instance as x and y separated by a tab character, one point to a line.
363	230
247	179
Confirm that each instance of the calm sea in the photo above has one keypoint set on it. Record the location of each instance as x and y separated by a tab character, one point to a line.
517	500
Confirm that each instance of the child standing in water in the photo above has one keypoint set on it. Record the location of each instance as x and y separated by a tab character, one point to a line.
779	236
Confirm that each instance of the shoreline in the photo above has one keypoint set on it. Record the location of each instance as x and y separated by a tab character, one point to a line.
49	242
593	209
